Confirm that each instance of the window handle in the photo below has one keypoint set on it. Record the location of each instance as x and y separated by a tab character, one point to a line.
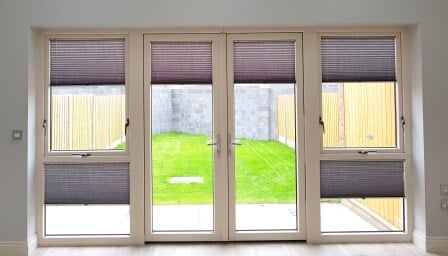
321	122
403	122
126	126
81	154
44	125
216	143
365	152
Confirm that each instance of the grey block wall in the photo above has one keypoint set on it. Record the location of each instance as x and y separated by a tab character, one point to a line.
162	110
252	112
192	110
188	109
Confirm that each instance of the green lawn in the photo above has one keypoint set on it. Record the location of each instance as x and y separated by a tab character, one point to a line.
265	170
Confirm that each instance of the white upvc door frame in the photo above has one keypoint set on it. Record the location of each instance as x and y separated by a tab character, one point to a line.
300	232
219	128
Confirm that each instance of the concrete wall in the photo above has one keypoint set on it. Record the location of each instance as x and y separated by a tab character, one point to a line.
189	110
192	110
428	66
162	110
252	112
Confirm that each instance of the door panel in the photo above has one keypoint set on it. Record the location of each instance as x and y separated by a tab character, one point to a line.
184	163
266	170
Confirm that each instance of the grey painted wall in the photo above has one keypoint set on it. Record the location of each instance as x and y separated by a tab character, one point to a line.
428	66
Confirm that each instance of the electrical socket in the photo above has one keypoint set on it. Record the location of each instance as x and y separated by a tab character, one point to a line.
444	204
444	190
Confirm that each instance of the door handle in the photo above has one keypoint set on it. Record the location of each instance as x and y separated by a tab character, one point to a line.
231	142
236	143
216	143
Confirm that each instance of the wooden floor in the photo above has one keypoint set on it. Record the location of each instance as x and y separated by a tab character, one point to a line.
239	249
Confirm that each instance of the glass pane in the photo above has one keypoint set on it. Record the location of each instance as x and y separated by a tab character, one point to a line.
87	118
182	163
265	162
87	220
359	115
361	215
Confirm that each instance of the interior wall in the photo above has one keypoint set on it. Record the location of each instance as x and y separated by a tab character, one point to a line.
16	111
34	43
418	154
13	116
435	121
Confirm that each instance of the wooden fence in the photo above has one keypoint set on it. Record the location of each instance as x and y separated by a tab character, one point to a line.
356	115
389	209
360	115
86	122
285	119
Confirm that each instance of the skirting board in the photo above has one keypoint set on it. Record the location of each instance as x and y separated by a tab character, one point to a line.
432	244
18	248
32	244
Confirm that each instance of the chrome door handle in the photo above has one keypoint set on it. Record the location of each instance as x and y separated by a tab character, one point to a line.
231	143
216	143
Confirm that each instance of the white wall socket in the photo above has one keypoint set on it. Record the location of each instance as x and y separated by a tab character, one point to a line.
444	190
444	204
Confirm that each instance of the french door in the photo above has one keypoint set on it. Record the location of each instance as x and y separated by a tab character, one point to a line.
224	137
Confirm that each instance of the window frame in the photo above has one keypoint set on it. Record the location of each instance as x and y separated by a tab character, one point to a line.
373	152
48	152
401	152
133	70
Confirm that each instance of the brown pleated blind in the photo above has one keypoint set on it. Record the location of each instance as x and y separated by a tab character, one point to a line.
87	62
358	59
359	179
96	183
264	62
181	63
